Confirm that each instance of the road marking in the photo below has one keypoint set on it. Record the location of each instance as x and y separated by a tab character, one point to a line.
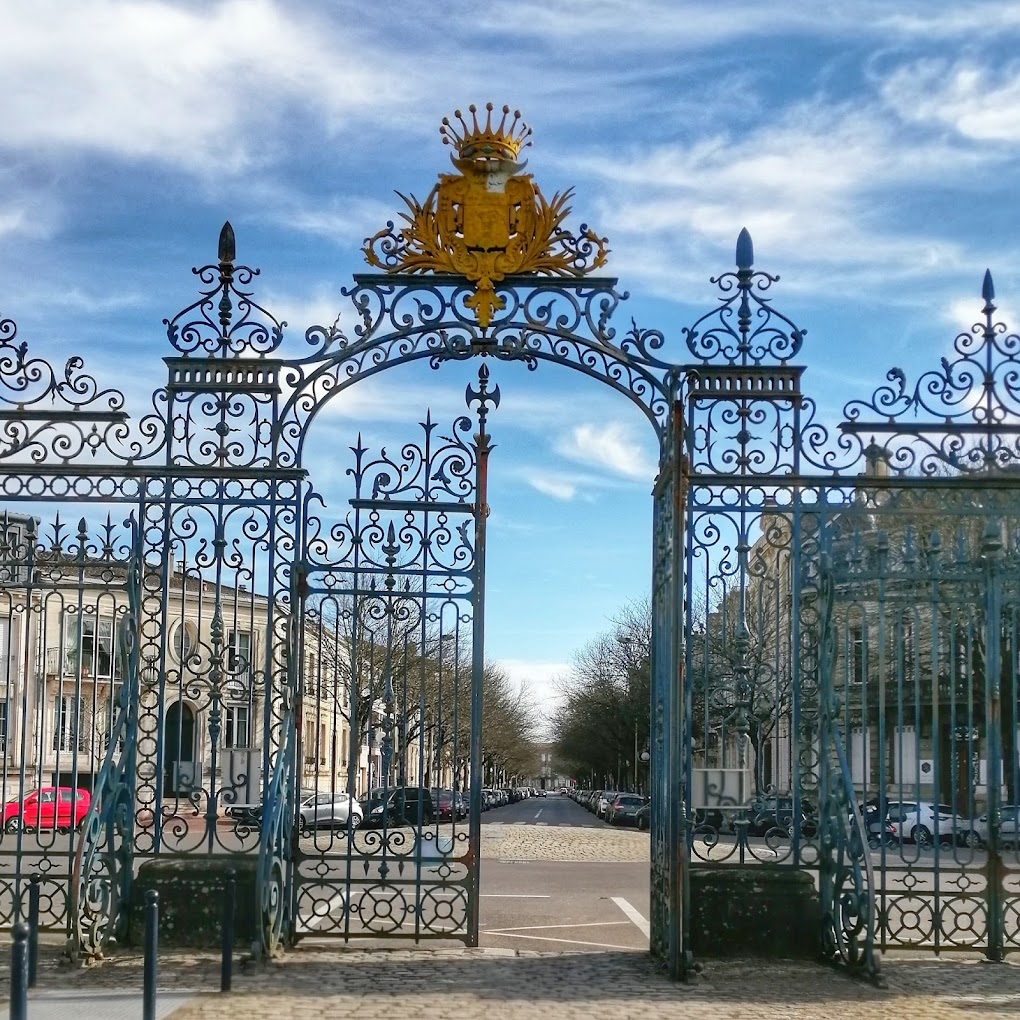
538	812
543	927
569	942
633	914
515	895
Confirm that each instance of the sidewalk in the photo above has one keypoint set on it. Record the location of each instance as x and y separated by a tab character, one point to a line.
316	983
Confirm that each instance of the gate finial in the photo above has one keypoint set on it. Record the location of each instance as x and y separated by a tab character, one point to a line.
988	288
745	250
227	250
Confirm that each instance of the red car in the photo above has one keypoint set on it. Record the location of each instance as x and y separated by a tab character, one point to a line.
51	807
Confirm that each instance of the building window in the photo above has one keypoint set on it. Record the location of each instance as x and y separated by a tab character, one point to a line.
235	728
69	730
89	646
857	653
184	641
239	657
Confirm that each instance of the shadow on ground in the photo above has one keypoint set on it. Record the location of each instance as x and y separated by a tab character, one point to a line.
494	979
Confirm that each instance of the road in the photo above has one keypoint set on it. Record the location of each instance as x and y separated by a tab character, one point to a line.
552	877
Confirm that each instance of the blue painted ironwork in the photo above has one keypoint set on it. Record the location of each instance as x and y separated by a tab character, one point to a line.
104	856
824	610
392	604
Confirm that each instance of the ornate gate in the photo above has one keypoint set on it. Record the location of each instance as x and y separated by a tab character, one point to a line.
835	625
391	604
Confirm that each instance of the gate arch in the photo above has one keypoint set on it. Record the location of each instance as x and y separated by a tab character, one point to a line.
766	557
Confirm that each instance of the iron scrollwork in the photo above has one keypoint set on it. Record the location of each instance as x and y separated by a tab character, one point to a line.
104	857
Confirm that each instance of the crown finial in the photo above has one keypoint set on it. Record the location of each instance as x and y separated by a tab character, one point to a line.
504	140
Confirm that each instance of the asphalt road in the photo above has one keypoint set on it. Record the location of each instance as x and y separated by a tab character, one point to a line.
555	809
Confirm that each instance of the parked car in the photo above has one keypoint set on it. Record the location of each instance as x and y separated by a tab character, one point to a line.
602	802
330	809
1009	828
61	808
445	805
879	829
643	816
765	814
245	814
399	805
919	822
624	808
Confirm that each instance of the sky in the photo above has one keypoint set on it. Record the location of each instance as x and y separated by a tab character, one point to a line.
871	148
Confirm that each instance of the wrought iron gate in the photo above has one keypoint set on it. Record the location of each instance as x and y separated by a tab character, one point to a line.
835	615
391	601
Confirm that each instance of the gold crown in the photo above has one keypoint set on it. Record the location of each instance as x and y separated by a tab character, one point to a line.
503	140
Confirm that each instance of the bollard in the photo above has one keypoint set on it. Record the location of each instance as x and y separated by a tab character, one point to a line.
19	973
151	945
227	934
33	929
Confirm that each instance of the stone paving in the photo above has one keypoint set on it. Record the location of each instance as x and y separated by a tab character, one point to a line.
512	842
316	982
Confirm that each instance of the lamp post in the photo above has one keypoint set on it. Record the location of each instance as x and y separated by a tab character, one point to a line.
645	757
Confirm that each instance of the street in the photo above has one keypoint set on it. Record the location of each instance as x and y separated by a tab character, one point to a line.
552	877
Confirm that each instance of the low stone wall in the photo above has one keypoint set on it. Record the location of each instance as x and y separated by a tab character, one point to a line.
191	900
754	911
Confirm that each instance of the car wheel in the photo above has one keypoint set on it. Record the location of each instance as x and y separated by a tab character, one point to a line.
922	835
970	839
13	825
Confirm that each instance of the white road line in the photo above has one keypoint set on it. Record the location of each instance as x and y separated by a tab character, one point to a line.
543	927
515	895
538	812
640	921
546	938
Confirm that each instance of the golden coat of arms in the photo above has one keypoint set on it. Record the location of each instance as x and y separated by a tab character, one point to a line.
489	221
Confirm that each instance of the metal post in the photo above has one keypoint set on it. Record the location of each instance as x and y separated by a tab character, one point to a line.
151	944
19	973
33	929
227	934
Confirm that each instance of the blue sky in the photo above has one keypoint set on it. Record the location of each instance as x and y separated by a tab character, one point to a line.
872	149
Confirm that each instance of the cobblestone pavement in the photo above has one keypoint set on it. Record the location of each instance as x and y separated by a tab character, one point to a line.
314	984
321	981
522	842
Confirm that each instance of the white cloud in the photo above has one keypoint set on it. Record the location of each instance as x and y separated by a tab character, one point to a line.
541	679
554	486
977	102
176	83
963	313
613	446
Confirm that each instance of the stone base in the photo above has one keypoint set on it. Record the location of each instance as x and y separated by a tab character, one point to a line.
754	911
191	900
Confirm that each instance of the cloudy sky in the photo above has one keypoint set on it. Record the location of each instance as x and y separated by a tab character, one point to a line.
872	149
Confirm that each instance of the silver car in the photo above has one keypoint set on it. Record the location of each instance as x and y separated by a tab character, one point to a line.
329	810
1009	828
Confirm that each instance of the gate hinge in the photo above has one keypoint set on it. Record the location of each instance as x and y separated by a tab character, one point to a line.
300	569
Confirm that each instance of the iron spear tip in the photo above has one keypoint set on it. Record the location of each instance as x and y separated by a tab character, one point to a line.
987	287
228	246
745	249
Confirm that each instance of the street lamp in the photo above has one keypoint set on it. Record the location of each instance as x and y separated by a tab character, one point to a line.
645	757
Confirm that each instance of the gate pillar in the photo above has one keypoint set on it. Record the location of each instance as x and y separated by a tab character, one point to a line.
670	891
